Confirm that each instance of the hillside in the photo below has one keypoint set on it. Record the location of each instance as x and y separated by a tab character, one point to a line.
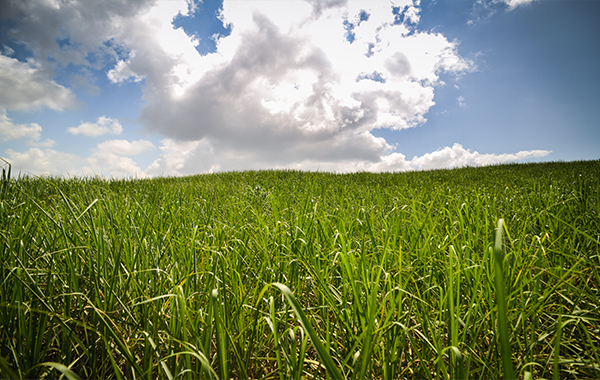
391	275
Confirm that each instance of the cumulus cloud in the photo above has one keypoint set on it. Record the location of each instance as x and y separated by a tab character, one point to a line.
444	158
78	35
190	157
110	158
30	132
183	158
124	147
81	33
25	86
113	158
102	126
287	85
296	84
42	161
457	156
122	72
10	131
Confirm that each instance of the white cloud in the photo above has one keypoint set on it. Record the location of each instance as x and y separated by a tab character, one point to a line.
71	32
394	162
112	158
113	166
284	89
124	147
483	9
72	36
102	126
183	158
191	157
457	156
10	131
122	72
512	4
286	86
48	143
42	161
25	86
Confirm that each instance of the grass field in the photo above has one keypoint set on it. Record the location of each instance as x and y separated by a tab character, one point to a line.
287	274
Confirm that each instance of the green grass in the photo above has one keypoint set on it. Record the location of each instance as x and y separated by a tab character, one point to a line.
478	273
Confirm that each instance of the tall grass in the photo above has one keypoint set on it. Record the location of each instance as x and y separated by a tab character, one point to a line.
287	274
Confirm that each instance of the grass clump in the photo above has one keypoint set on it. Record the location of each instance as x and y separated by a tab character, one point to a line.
288	274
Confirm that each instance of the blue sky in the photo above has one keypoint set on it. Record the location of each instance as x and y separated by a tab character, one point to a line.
142	89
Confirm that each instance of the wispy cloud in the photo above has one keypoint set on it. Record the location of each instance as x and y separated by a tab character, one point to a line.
482	9
512	4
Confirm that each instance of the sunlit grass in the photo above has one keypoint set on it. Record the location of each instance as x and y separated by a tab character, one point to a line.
287	274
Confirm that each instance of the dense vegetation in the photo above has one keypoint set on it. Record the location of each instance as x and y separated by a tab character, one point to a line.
287	274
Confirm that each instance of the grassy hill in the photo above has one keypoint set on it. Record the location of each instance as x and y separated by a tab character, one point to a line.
288	274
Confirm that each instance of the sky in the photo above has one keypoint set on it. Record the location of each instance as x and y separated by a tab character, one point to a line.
134	89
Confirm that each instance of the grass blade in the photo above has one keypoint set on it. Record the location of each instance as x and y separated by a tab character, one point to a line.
502	316
332	370
555	365
63	369
6	371
221	336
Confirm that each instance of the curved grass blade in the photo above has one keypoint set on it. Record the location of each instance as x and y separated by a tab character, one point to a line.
63	369
458	357
330	366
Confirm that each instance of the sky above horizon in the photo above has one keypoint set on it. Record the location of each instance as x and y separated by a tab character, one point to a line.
168	88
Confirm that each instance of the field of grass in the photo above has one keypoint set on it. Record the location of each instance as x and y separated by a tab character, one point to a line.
287	274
